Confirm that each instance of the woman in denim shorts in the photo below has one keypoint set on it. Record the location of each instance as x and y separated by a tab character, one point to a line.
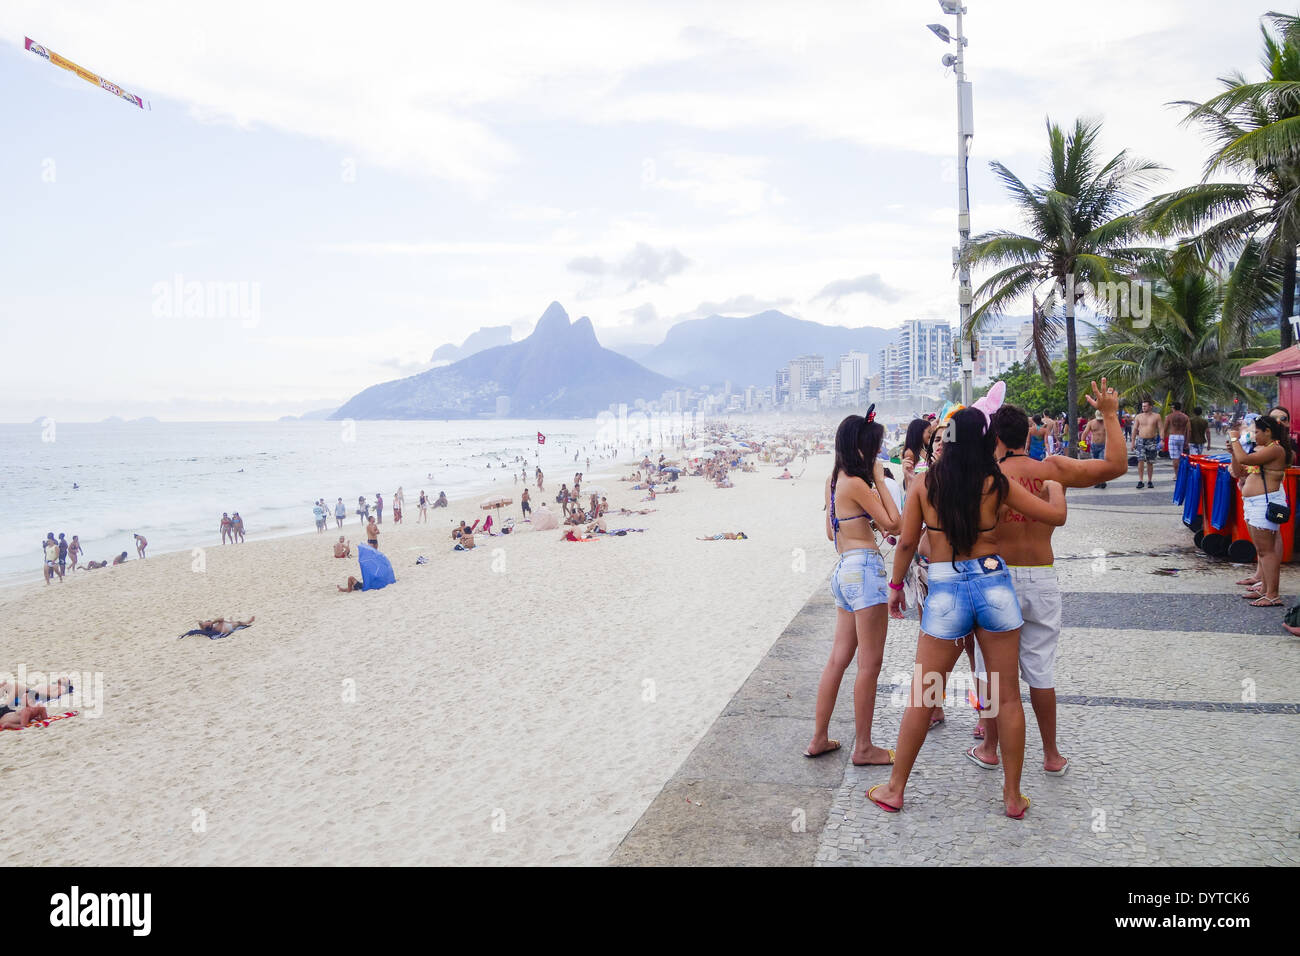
960	504
854	503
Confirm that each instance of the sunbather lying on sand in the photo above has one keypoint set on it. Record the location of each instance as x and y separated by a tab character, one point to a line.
726	536
636	511
18	719
222	626
15	696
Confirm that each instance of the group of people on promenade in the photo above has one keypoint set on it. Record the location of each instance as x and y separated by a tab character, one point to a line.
974	550
59	556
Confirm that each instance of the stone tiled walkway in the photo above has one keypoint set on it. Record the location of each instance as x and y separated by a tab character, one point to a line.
1179	710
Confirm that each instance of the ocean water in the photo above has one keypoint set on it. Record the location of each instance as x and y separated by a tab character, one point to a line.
170	481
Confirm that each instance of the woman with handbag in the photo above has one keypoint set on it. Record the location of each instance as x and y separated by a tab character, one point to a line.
1263	498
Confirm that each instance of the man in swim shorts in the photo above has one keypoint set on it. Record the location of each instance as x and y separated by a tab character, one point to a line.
1146	441
1026	545
1177	424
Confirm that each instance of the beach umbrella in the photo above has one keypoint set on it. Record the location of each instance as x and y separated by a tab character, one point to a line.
376	569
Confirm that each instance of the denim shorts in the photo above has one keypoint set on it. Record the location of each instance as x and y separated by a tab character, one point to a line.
859	580
975	593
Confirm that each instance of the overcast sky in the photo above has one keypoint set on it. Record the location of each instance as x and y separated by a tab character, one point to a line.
379	179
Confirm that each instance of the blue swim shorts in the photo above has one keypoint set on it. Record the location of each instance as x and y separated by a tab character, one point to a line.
969	594
860	580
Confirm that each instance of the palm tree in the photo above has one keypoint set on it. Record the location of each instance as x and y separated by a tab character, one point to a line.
1081	225
1252	219
1187	350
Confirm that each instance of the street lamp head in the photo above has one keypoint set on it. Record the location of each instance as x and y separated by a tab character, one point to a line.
952	7
941	31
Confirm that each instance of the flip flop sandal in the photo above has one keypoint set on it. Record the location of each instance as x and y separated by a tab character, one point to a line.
834	746
1278	602
978	732
934	724
891	761
888	808
974	759
1021	814
1058	773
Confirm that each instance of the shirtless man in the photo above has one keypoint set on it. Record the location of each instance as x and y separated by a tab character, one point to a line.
1176	427
1026	546
342	549
1146	441
372	534
140	545
222	626
1097	439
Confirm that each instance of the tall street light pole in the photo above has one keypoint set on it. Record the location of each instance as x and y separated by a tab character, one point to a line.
965	131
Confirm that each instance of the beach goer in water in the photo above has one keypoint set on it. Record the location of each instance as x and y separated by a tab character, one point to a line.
959	502
236	528
341	548
340	512
856	505
140	545
226	528
1265	468
353	584
372	534
1026	546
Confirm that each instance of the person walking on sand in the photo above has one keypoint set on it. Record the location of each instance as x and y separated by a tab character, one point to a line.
236	527
855	510
141	543
74	552
379	507
398	500
372	534
318	512
423	508
50	550
1026	545
539	480
524	505
226	526
340	512
960	501
1146	441
63	555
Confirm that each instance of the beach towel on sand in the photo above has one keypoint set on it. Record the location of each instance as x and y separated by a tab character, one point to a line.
376	569
46	722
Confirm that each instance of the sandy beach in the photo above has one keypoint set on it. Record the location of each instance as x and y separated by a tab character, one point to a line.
521	703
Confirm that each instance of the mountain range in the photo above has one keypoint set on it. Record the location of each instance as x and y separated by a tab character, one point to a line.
747	350
559	371
488	337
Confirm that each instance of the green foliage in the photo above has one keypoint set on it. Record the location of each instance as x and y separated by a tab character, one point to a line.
1027	388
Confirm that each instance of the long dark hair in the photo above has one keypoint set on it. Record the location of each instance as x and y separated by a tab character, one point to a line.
915	440
955	483
852	440
1281	434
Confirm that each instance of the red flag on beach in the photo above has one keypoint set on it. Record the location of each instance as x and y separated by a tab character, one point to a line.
541	439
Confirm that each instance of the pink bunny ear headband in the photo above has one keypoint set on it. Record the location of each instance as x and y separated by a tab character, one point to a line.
989	404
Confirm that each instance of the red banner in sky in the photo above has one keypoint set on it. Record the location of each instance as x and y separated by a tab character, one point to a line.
541	439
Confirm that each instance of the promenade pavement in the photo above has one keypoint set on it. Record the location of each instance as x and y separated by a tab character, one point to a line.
1178	706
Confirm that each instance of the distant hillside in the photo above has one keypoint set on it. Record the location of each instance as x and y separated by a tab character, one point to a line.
560	371
488	337
749	350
